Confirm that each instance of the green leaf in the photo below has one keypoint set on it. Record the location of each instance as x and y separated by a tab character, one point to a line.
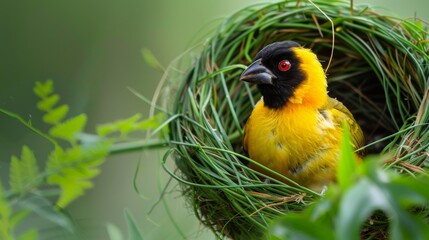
18	217
69	129
150	59
122	126
5	214
326	205
347	163
46	104
73	169
375	193
301	226
29	235
43	208
390	193
125	126
355	208
106	129
114	232
9	219
56	115
44	89
133	230
128	125
152	123
24	173
418	185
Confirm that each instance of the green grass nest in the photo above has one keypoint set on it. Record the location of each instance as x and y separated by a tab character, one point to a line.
379	70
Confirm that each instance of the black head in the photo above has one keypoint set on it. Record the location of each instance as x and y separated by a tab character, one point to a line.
276	72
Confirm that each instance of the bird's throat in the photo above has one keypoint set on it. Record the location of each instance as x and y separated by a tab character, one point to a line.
275	98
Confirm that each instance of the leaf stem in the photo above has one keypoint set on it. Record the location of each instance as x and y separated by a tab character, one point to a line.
28	125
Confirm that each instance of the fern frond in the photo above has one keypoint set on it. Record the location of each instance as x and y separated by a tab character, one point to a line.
131	124
24	173
70	169
73	169
56	115
153	122
68	129
48	103
44	89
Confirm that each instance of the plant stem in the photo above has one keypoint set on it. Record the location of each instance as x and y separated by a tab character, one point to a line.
136	146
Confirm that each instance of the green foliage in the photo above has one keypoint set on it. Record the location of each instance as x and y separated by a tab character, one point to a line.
132	124
133	230
55	116
69	169
65	130
114	232
69	129
347	210
42	207
416	29
24	173
73	170
150	59
10	219
347	166
29	235
44	89
5	215
48	100
390	193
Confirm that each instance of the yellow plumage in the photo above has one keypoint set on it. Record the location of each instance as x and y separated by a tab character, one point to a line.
299	139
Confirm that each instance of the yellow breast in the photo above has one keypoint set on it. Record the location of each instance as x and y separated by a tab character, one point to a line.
298	142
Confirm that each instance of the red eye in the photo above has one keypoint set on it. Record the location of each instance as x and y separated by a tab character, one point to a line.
284	65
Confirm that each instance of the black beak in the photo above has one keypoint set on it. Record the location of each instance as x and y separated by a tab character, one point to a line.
257	73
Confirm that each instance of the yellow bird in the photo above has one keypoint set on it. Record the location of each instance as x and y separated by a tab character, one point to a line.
295	129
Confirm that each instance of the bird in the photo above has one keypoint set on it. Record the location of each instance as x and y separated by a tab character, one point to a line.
295	129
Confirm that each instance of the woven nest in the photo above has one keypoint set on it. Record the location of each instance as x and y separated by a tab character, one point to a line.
379	70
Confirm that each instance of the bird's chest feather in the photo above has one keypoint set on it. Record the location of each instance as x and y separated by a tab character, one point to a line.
286	139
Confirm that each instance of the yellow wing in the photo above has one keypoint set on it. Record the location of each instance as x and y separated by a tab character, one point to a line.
341	113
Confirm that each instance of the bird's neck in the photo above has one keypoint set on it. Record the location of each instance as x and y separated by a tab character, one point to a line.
309	95
312	92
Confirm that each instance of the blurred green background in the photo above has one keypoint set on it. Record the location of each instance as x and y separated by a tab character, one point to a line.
92	50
